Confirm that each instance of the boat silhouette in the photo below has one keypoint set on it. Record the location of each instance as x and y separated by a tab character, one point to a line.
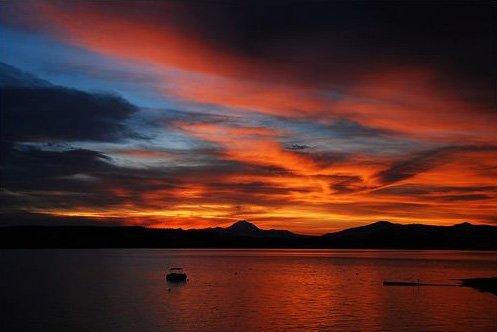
176	274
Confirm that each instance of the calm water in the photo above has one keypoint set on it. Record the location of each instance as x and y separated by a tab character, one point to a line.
121	289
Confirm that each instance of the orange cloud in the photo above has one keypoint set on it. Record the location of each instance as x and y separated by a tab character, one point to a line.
253	145
135	39
414	102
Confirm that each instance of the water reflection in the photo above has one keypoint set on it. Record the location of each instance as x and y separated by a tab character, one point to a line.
244	290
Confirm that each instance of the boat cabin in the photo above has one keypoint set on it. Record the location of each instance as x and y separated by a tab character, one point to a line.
176	274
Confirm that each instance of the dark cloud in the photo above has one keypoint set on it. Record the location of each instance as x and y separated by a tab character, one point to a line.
327	158
423	190
17	218
424	161
53	114
31	168
172	117
38	179
347	183
434	193
56	175
464	198
299	147
344	128
41	112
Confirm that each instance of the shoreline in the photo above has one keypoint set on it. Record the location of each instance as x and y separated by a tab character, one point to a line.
488	285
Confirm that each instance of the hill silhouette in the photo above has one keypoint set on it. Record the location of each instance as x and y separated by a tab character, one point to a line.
384	234
243	234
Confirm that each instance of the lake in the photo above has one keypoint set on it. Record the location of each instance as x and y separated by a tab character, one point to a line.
244	290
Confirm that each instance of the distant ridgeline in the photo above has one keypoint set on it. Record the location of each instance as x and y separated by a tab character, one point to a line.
243	234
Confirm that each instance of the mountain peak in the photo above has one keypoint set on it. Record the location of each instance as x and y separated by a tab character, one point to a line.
13	77
464	224
243	226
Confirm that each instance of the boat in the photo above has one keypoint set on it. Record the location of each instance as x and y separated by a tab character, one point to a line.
176	274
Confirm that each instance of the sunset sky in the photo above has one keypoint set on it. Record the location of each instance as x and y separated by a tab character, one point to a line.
306	116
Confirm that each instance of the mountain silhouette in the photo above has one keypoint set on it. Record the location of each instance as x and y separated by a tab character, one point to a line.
384	234
243	227
243	234
13	77
248	229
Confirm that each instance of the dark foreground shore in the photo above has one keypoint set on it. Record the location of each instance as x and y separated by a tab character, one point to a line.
482	284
